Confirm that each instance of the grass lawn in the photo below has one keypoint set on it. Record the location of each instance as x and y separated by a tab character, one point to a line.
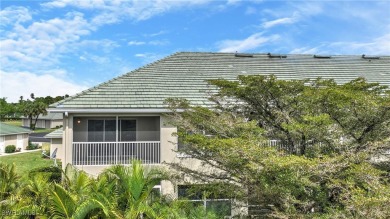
14	122
19	123
26	161
40	130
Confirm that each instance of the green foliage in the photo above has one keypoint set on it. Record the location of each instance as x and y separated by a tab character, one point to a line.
52	173
327	134
35	107
6	109
302	112
32	146
32	110
8	180
119	192
133	186
10	149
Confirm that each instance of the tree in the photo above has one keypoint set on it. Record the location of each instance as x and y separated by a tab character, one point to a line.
133	186
36	106
328	132
5	108
32	109
301	113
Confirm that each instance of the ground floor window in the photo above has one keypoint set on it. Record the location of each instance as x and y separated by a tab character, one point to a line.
199	195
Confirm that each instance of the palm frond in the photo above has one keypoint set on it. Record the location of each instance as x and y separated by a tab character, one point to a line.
62	204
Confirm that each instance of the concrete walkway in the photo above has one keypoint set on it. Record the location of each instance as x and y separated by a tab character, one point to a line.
25	151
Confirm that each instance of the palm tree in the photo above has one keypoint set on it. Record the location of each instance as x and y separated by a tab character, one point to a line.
9	180
133	186
33	196
76	198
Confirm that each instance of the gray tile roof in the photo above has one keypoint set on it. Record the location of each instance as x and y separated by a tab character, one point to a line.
183	75
6	129
55	134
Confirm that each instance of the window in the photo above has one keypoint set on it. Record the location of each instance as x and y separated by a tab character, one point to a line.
101	130
127	130
104	130
95	130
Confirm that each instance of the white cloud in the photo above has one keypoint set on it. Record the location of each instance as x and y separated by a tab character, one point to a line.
149	57
281	21
41	43
286	20
16	84
305	50
135	43
86	4
378	46
152	42
14	15
104	45
252	42
161	32
232	2
250	10
158	42
116	11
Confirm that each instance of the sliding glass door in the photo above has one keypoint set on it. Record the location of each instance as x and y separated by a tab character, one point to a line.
127	130
104	130
101	130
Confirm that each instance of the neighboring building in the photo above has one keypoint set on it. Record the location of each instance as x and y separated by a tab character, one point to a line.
13	135
49	121
124	117
56	142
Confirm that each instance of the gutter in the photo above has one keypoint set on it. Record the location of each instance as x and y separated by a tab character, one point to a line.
104	110
16	133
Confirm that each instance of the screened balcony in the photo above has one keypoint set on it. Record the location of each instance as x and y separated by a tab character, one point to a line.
115	140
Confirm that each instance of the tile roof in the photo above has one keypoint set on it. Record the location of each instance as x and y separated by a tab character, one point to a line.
6	129
183	75
55	134
48	116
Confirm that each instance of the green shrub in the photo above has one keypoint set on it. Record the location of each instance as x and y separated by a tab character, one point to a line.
31	146
52	173
10	149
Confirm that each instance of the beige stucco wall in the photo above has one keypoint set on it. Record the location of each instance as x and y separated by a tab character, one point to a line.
168	144
67	140
25	122
57	143
55	123
42	123
12	140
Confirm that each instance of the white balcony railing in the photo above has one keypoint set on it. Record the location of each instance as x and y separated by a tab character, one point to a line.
111	153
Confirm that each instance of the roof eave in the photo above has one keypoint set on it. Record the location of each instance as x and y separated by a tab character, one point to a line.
107	110
16	133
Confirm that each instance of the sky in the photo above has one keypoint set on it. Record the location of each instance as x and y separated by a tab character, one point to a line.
65	46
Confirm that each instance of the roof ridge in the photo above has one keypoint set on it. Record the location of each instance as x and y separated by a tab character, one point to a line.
109	81
289	54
